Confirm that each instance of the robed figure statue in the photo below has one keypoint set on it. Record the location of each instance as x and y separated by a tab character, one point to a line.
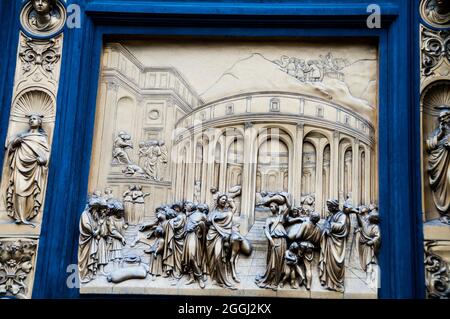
28	155
221	229
333	244
438	147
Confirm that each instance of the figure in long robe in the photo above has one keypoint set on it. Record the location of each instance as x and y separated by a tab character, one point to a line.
116	228
333	244
276	236
102	240
28	156
88	242
175	232
194	245
438	147
156	251
128	205
369	242
220	221
138	197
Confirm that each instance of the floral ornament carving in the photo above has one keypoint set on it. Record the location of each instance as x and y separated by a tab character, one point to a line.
435	50
16	263
43	54
437	273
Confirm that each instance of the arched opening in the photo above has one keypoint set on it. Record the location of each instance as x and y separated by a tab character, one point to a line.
273	163
309	169
272	170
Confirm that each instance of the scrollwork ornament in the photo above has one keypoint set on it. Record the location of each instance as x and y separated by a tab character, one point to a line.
435	50
437	274
16	264
43	54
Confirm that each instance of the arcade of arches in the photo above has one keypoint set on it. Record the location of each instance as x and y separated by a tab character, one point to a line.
299	159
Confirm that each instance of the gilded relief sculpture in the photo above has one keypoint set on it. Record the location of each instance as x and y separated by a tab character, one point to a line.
239	163
43	17
435	120
28	143
28	155
121	144
276	235
16	264
437	271
155	156
369	241
438	147
436	12
332	253
187	240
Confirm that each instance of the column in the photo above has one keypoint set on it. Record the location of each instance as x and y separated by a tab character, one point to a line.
248	178
205	154
355	173
334	166
190	169
210	167
319	178
175	168
367	174
223	165
297	167
341	178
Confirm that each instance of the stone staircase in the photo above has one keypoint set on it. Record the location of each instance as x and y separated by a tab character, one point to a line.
256	235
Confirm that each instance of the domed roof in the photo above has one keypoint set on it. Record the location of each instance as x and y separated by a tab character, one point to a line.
256	74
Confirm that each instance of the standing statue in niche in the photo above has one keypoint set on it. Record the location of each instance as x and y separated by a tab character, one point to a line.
155	155
333	244
438	147
44	16
28	156
121	144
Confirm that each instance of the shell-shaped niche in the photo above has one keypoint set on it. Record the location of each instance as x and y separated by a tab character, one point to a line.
435	98
33	102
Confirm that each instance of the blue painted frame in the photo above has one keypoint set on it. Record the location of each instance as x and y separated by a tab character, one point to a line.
401	257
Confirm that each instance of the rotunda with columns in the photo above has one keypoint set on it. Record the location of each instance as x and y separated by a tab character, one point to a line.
276	141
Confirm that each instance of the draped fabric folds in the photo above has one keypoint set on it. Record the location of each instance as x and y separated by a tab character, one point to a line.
26	178
332	254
